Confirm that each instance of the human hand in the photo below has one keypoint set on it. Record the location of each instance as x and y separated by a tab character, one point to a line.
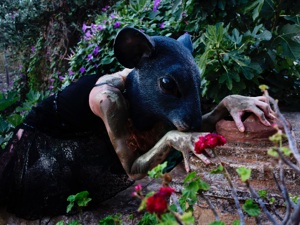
185	143
238	105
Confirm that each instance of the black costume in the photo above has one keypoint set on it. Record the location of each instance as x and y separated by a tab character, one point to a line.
64	149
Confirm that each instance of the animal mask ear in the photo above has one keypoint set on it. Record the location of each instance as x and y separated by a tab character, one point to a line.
186	40
131	46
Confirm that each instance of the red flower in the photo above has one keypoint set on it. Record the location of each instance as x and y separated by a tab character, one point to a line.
209	141
157	203
166	191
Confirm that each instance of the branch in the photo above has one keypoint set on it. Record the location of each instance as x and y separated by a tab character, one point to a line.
210	205
287	130
287	162
234	195
261	203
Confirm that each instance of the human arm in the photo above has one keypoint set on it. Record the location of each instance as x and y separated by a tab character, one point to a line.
237	106
107	102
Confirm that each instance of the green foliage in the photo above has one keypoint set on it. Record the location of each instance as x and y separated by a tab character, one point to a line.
192	184
251	208
81	199
262	193
111	220
148	219
157	171
217	223
244	173
218	170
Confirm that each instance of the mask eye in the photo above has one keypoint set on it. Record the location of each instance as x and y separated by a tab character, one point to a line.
169	86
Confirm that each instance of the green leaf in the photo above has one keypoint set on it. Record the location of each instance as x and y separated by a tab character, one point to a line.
203	185
262	193
111	220
273	152
189	177
256	7
70	206
251	208
217	223
288	41
148	219
4	125
6	101
286	151
236	222
157	171
15	119
229	83
244	173
188	218
219	169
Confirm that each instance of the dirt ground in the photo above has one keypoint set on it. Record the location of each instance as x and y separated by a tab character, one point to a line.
126	205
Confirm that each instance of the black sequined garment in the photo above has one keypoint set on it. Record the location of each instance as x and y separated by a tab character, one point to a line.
64	149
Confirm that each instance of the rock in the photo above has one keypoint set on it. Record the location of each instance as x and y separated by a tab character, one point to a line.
255	132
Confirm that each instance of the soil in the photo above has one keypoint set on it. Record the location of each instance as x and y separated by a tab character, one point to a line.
233	155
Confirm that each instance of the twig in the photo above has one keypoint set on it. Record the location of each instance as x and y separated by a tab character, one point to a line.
287	162
295	218
290	136
210	205
286	195
233	191
261	203
234	195
175	200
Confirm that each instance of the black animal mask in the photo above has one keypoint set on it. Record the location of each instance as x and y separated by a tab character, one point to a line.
165	82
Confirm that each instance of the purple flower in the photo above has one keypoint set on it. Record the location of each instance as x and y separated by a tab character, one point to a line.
70	72
96	50
82	70
51	80
112	16
162	25
51	87
156	4
61	78
33	49
100	27
88	35
84	27
94	28
90	57
105	8
117	24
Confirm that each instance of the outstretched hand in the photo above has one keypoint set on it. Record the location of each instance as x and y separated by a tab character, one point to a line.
238	105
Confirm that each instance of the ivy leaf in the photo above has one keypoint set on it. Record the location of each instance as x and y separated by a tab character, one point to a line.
251	208
244	173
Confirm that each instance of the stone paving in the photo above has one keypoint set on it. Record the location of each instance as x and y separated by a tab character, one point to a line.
232	155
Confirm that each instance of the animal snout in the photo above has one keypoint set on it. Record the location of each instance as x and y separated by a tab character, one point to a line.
188	125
